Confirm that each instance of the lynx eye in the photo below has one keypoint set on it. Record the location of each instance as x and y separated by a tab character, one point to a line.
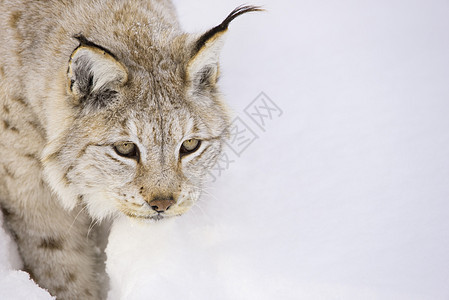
190	146
126	149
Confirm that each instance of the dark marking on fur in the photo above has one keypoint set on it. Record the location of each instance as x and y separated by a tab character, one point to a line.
223	26
53	156
8	126
10	216
51	243
8	172
72	81
2	71
83	151
123	132
20	101
6	212
5	108
70	277
32	156
67	181
60	289
124	123
37	127
14	19
13	234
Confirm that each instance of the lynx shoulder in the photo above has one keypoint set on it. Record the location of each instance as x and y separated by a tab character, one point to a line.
106	108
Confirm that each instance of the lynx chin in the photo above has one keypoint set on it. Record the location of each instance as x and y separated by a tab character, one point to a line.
107	108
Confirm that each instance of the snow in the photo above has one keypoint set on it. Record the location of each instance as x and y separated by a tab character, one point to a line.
342	194
15	284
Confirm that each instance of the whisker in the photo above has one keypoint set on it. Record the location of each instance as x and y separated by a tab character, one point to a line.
91	226
200	208
76	217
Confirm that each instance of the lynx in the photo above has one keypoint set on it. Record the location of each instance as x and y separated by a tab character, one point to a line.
107	108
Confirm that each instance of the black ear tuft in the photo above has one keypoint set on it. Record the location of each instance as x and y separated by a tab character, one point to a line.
224	25
203	67
85	42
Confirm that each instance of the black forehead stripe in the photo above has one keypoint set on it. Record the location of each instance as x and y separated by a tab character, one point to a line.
85	42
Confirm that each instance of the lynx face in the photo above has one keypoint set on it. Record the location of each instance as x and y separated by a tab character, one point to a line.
149	152
143	132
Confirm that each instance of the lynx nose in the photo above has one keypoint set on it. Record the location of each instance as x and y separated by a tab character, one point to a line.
161	205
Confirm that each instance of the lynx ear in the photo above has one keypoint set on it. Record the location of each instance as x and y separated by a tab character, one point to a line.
94	74
202	69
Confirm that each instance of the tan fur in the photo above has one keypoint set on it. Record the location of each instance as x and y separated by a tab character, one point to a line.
77	77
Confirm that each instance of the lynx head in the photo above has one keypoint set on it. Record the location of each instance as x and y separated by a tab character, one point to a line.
145	127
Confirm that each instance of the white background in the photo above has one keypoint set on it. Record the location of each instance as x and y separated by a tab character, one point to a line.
345	195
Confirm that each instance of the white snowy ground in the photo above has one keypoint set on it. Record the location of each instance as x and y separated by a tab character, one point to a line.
342	194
